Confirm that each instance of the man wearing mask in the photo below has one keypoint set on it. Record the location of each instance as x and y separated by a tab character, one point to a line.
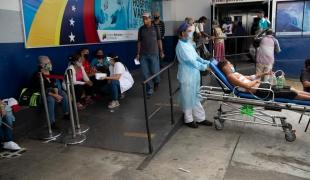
190	65
54	94
149	48
264	23
159	24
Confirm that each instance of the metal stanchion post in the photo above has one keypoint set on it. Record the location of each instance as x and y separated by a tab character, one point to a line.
147	120
80	128
46	135
171	96
72	138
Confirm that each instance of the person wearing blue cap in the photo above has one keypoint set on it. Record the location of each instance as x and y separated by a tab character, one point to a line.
190	65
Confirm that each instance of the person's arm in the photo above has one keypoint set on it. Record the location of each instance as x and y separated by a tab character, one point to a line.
139	45
116	72
113	77
236	82
160	44
186	57
163	30
75	82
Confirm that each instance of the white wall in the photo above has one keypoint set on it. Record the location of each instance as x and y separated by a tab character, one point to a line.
192	8
13	5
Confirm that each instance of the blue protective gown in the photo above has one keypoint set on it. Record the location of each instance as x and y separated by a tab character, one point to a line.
190	65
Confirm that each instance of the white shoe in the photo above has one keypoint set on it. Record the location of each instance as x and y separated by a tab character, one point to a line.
11	146
113	104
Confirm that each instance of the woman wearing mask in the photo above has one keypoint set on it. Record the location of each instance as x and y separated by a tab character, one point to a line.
190	22
84	52
190	63
82	85
219	46
54	93
100	62
120	80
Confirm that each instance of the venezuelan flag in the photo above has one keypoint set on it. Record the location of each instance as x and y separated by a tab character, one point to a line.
59	22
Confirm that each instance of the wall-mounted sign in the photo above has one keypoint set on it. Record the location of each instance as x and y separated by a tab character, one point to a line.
65	22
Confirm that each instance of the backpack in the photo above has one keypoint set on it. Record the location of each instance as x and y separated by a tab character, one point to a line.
29	97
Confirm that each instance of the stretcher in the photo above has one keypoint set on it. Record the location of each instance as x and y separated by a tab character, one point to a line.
234	104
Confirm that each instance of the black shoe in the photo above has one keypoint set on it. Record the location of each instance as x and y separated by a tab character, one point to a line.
192	124
54	127
156	86
66	117
205	123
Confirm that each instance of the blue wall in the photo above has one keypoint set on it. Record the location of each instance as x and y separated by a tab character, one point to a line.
17	64
294	52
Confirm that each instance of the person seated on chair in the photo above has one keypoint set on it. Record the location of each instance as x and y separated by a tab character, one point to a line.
6	126
54	93
249	83
83	86
120	80
305	76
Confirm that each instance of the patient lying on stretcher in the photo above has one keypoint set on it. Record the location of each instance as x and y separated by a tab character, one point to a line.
249	83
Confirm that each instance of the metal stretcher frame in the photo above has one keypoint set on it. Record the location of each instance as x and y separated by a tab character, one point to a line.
228	98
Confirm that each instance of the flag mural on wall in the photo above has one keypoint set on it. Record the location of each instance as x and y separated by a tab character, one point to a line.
50	23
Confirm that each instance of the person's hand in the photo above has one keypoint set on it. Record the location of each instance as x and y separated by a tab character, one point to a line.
58	97
103	78
162	55
89	83
138	57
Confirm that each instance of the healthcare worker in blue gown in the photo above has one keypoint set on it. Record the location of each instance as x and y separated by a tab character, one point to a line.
190	65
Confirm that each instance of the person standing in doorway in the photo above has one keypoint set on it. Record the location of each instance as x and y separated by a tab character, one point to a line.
149	49
190	65
264	23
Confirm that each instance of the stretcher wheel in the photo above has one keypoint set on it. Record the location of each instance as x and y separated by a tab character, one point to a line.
289	126
290	136
218	125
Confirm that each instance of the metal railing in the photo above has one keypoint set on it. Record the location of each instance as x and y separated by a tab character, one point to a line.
146	113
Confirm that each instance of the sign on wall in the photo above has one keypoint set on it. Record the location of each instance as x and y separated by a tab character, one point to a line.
50	23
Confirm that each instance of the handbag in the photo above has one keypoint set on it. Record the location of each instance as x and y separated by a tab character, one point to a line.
29	97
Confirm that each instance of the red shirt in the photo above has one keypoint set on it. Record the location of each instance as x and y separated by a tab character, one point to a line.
87	67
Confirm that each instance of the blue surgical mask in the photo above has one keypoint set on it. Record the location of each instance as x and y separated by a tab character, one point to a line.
190	35
232	69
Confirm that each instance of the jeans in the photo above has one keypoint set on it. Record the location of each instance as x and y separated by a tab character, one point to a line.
6	133
150	66
51	105
115	89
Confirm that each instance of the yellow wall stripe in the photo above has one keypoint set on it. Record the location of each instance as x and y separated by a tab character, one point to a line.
46	26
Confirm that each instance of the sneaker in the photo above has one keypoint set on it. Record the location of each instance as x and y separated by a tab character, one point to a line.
113	104
205	123
11	146
192	124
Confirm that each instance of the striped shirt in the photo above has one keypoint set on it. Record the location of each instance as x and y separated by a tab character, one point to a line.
161	27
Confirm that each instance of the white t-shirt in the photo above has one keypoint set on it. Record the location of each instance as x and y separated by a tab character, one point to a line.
227	28
126	81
